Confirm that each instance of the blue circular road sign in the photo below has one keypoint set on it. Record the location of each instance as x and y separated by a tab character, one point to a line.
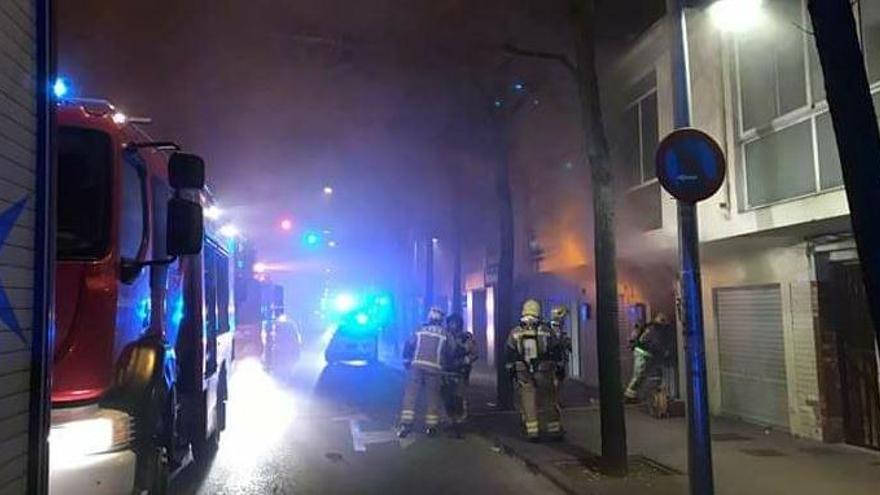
690	165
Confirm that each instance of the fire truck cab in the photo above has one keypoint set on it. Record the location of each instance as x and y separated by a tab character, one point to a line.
144	308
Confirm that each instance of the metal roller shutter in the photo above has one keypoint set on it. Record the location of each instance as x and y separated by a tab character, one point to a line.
752	354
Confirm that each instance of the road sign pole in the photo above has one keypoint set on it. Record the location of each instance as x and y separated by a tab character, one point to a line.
699	440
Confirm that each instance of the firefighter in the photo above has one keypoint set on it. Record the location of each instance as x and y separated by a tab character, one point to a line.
461	357
530	360
563	344
650	347
424	358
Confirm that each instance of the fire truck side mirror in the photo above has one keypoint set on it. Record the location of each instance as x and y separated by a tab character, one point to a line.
186	171
186	227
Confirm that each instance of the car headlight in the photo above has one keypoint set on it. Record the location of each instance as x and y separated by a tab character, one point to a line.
83	431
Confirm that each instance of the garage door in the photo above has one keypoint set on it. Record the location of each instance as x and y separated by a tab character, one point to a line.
752	354
21	205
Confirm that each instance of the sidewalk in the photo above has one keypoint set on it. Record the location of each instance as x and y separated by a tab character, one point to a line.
747	458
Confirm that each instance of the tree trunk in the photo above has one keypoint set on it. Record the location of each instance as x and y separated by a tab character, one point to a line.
457	234
429	275
614	451
855	127
456	271
504	287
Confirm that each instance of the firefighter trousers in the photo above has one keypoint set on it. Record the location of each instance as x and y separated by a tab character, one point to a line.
454	400
643	364
418	379
537	398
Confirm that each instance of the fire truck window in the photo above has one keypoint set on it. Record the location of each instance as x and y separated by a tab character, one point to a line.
222	293
210	268
84	176
132	219
160	193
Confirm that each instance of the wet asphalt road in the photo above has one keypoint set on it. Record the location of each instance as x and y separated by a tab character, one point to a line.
316	429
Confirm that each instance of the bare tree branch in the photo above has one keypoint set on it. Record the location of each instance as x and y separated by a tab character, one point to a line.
558	57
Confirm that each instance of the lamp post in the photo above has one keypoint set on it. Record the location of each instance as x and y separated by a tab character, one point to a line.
733	16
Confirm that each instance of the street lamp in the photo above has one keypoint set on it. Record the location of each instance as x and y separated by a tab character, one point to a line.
328	191
213	212
286	224
229	230
736	16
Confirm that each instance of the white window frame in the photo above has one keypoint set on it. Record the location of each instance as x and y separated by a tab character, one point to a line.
641	182
811	111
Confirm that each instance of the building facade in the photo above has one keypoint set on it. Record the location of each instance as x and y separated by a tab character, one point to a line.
788	337
784	347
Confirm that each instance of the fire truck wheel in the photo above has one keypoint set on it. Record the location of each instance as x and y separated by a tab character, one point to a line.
223	394
154	458
204	449
158	471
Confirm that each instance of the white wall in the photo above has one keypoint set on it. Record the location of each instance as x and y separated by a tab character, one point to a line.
788	265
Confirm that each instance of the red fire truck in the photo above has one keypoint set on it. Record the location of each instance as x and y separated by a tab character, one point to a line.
144	308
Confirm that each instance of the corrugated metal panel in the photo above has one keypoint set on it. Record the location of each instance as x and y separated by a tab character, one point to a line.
752	354
18	145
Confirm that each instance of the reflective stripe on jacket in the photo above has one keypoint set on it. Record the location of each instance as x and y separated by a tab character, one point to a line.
430	347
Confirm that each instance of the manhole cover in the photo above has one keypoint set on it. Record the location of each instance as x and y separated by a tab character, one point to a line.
729	437
589	470
763	452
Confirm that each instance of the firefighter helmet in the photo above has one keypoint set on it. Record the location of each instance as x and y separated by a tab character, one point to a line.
435	315
531	309
454	322
558	313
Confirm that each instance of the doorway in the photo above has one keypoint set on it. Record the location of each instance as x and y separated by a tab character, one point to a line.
848	312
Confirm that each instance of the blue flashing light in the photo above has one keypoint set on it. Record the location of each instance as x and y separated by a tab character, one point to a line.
143	311
177	312
362	318
344	302
519	86
311	239
60	88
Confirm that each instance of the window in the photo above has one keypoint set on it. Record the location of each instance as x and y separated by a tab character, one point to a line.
869	13
787	139
216	267
85	168
132	218
780	165
640	138
161	193
771	66
222	265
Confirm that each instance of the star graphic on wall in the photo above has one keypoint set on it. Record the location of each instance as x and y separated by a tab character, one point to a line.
8	219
